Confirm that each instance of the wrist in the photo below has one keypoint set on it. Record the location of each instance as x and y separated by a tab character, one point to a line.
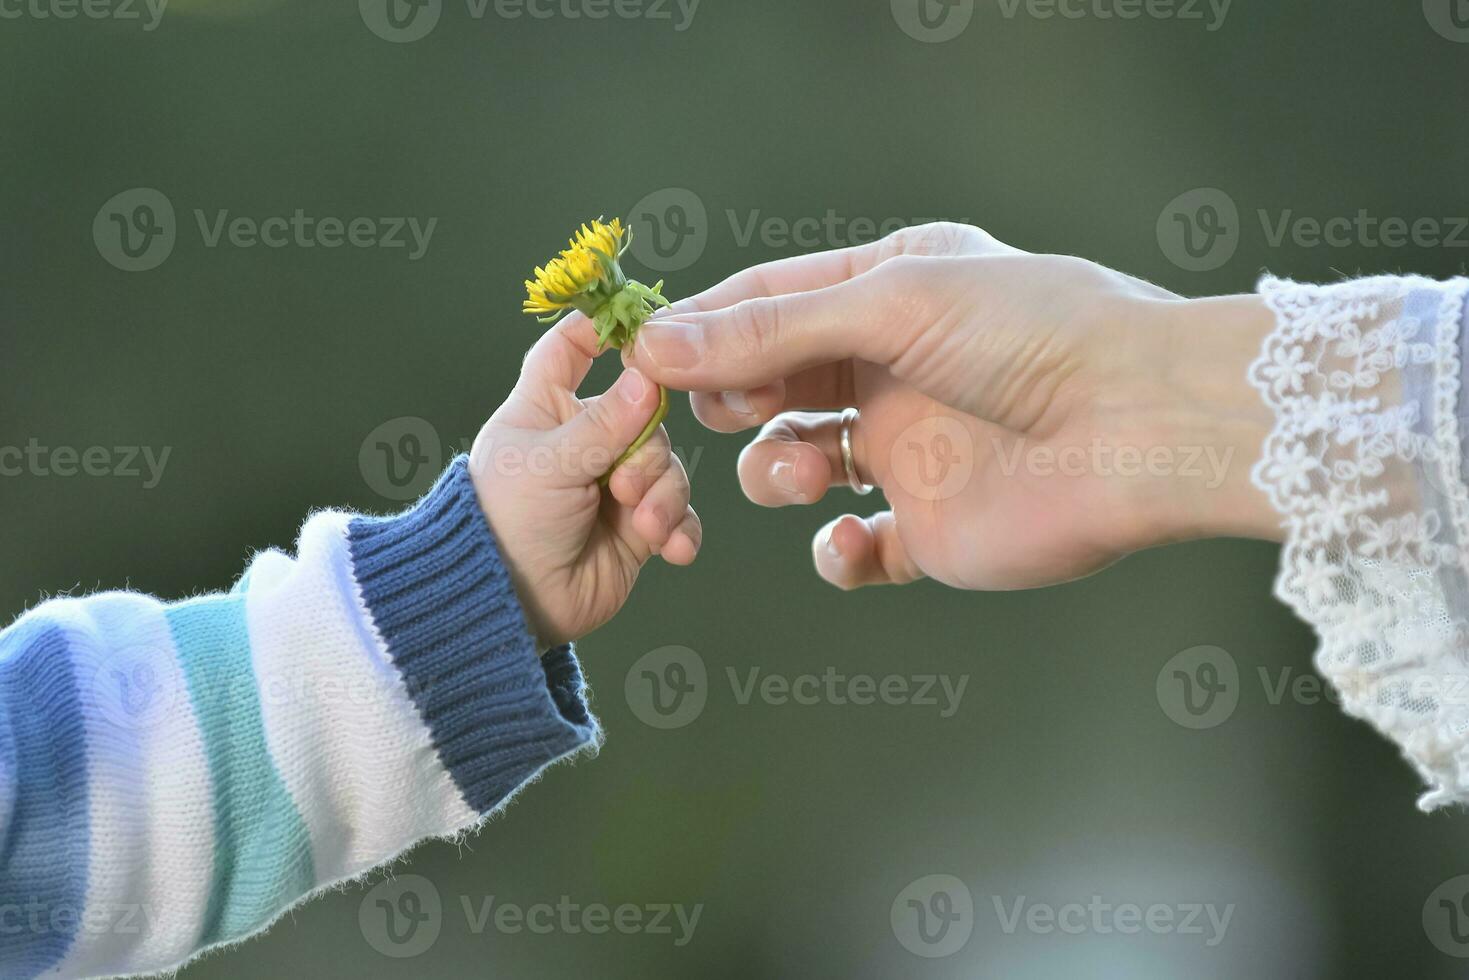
503	518
1210	408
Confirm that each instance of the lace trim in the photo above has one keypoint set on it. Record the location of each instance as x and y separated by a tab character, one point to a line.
1449	435
1364	463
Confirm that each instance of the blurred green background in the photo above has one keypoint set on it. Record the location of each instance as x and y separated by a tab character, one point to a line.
268	371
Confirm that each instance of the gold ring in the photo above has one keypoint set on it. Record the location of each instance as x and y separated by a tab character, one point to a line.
849	417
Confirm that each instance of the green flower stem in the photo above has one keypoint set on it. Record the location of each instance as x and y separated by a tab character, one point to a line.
647	434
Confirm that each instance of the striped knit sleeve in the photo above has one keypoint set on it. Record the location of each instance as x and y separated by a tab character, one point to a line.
173	777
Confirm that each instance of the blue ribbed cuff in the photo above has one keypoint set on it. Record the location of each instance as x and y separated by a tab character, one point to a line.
442	600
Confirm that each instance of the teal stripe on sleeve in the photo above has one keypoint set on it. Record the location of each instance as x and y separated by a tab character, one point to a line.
262	850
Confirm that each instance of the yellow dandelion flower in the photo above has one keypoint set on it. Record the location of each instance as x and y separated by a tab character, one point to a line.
589	262
587	276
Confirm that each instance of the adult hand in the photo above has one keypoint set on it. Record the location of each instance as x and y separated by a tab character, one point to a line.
1029	418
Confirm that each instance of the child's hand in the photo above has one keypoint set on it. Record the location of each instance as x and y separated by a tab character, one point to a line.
574	550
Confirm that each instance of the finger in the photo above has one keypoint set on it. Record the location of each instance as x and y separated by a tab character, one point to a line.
818	270
735	411
633	478
797	457
851	552
591	442
563	355
797	274
761	340
826	387
620	520
663	507
684	543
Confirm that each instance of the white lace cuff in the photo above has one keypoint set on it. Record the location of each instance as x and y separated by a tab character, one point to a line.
1366	464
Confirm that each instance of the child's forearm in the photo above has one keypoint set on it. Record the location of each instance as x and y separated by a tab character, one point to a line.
199	767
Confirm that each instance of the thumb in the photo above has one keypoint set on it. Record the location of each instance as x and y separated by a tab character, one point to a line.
609	423
851	552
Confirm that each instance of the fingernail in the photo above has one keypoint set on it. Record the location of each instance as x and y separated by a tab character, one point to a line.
667	344
783	476
829	542
739	403
661	516
632	386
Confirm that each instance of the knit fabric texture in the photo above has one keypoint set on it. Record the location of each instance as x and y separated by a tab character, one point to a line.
174	777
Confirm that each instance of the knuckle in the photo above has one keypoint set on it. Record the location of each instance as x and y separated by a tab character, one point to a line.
781	429
676	476
937	238
605	416
645	468
1074	268
756	327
